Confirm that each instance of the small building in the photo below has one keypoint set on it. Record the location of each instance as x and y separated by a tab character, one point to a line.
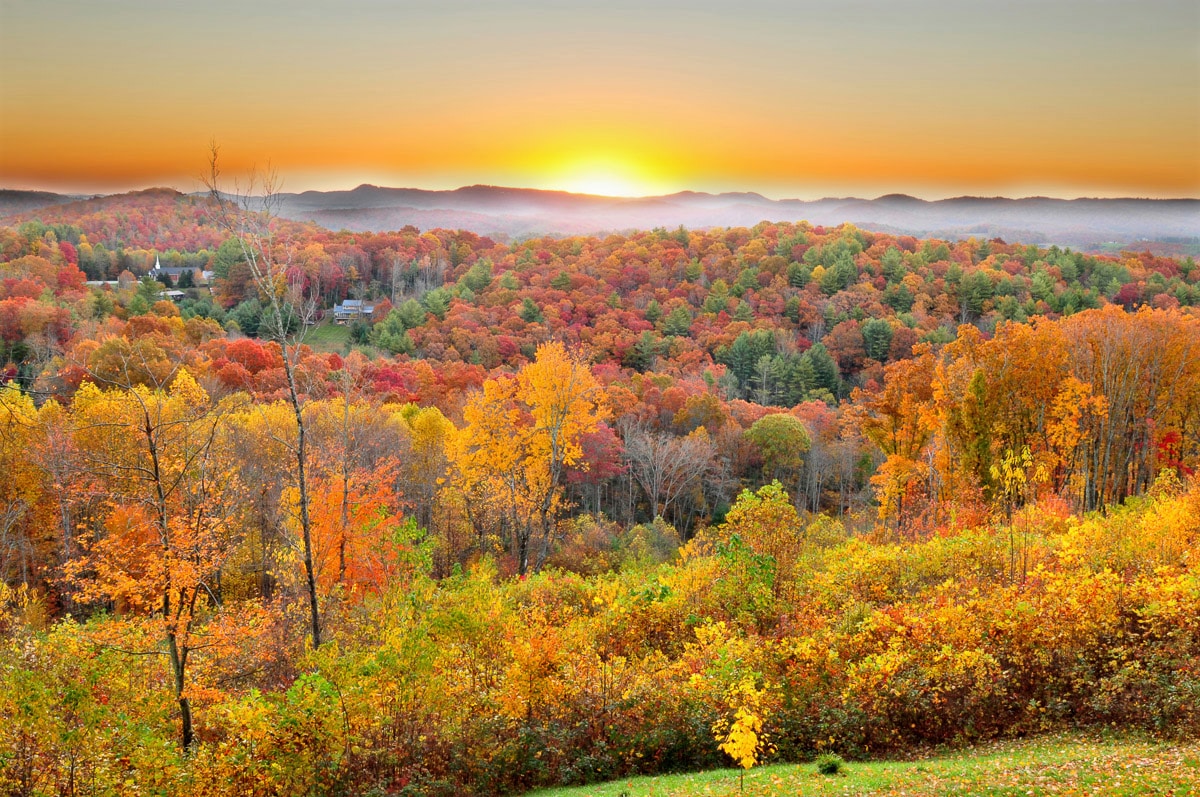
352	310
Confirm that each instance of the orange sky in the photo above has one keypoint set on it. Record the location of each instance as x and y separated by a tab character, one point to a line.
792	99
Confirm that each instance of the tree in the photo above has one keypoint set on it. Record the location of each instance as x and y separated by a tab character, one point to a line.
824	369
900	419
391	333
521	435
410	314
167	530
251	222
530	313
877	338
742	739
782	441
667	466
678	322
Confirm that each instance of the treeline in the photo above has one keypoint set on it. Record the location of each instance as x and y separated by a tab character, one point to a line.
1089	409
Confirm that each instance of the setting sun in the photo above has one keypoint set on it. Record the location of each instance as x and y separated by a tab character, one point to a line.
603	176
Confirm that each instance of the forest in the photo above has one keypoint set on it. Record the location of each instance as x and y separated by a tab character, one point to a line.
566	509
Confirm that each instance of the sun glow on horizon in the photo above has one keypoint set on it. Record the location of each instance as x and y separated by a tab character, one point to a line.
604	176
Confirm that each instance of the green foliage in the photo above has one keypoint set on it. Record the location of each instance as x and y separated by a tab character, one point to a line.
227	255
410	314
830	764
824	369
479	276
653	311
892	264
744	355
360	332
782	441
642	355
678	322
841	274
877	338
437	302
717	300
391	334
791	310
138	305
530	313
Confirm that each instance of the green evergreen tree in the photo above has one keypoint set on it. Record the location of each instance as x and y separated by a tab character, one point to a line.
653	311
893	265
678	323
391	334
411	314
877	338
530	313
824	369
437	301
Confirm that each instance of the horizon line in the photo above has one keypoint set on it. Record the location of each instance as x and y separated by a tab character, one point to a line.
898	195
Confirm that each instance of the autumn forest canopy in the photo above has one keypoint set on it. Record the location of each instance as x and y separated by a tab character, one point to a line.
293	511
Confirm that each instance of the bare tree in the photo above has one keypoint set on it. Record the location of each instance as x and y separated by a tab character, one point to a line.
251	219
667	466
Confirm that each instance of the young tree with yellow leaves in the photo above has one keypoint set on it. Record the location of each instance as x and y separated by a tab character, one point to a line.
742	739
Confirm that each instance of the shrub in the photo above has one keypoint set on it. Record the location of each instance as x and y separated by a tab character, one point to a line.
829	764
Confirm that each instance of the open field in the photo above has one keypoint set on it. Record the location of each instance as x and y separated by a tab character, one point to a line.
328	337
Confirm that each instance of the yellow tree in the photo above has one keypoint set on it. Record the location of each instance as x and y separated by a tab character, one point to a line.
768	523
901	420
21	489
521	435
171	498
742	739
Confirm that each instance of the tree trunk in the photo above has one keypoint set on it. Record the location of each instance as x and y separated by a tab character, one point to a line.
305	521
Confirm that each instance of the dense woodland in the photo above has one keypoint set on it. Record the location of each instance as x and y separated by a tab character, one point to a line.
566	509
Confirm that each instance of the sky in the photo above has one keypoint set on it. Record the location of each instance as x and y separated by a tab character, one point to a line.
789	98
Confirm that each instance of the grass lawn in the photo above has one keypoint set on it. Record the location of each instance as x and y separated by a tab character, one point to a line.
328	337
1066	763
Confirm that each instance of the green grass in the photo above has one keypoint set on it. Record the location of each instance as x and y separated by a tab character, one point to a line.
1067	763
328	337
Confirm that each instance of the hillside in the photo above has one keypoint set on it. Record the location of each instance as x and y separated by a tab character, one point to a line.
16	202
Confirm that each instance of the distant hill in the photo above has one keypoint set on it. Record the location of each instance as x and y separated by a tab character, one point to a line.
1090	224
521	212
12	201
